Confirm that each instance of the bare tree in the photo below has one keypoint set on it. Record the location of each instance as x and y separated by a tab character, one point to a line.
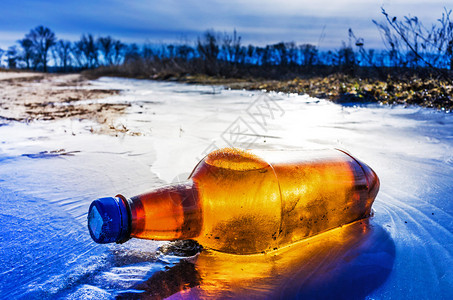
309	54
207	46
87	47
184	52
279	54
12	57
62	54
417	44
43	38
251	54
266	55
1	56
106	45
148	53
346	56
171	51
444	37
77	53
28	51
118	49
231	47
132	53
292	53
208	49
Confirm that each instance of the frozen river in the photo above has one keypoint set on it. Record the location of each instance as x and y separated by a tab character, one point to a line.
51	171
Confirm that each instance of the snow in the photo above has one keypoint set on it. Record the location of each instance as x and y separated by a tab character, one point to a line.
46	250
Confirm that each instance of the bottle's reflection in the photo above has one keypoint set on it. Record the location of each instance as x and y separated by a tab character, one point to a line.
345	263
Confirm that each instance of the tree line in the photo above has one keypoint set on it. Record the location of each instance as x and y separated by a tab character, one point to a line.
40	46
409	46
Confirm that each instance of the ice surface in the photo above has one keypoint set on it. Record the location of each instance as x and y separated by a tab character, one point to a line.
51	171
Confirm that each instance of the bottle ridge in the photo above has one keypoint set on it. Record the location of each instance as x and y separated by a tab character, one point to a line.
245	201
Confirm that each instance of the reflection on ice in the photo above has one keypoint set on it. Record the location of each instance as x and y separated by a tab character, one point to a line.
334	263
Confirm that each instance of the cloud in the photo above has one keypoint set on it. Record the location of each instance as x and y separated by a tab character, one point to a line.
263	21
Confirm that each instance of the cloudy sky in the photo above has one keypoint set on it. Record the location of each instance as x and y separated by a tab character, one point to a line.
320	22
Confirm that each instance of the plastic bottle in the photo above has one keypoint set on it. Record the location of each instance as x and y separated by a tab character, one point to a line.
245	202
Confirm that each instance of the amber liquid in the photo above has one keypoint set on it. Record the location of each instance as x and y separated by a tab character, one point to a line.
246	202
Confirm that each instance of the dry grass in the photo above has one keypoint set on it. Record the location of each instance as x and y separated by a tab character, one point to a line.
53	97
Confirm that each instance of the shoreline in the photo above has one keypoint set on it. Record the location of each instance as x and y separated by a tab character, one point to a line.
25	97
406	89
341	88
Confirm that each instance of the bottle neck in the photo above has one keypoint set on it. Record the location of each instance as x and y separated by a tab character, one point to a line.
166	213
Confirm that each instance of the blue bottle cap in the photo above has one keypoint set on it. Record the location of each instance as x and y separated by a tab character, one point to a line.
108	220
